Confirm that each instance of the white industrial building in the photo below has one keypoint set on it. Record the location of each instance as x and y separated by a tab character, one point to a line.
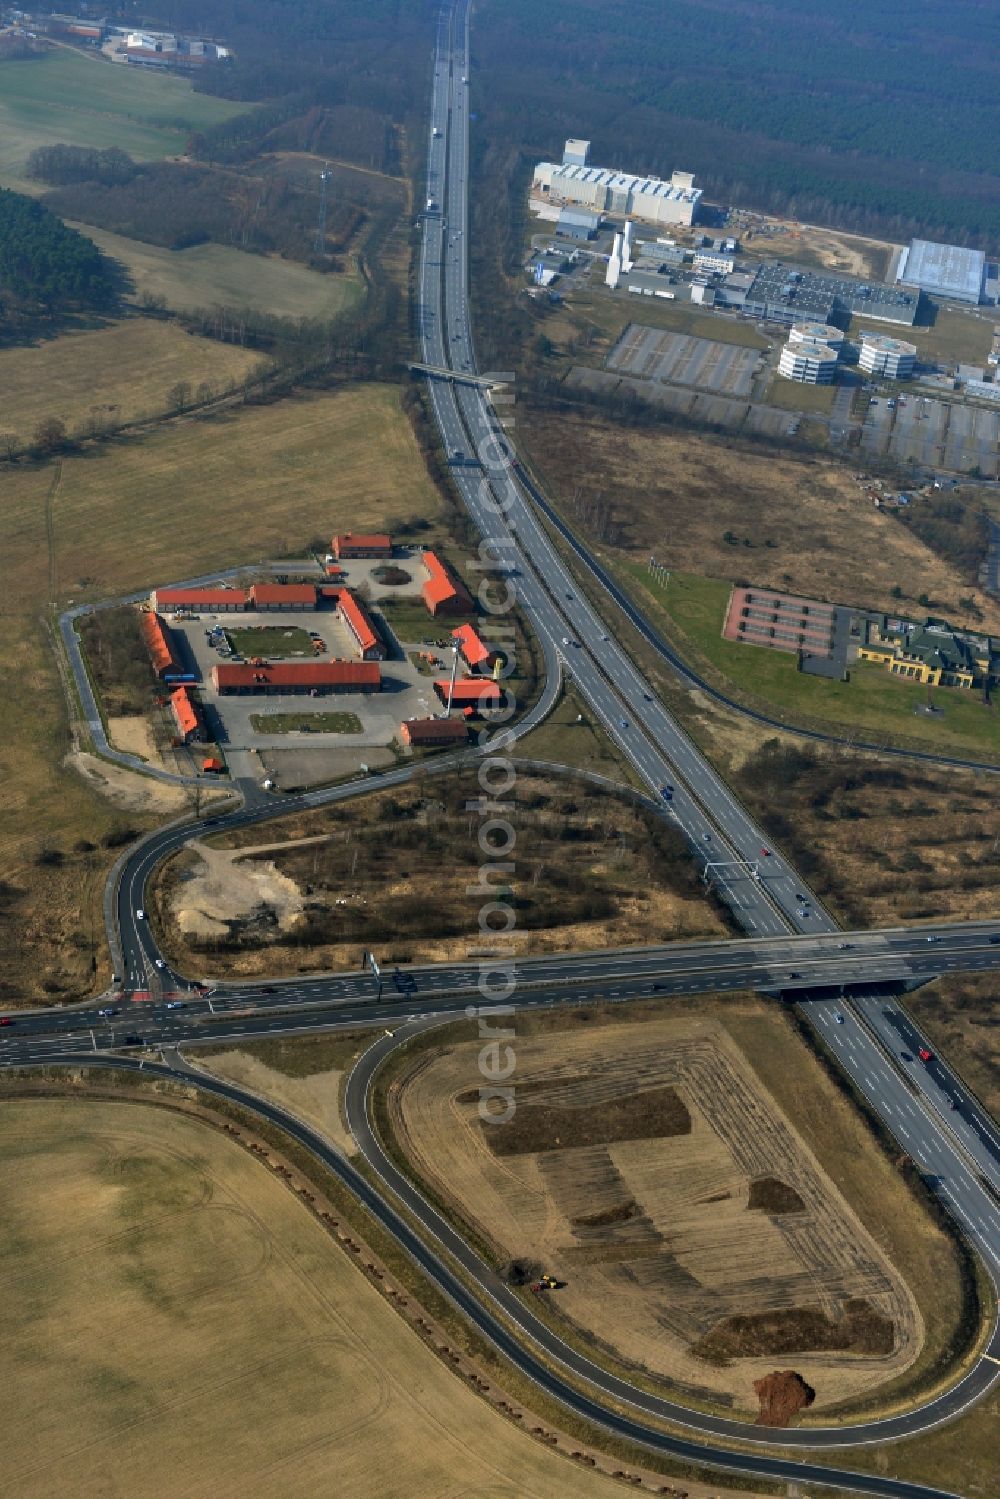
816	333
891	357
809	363
604	190
949	272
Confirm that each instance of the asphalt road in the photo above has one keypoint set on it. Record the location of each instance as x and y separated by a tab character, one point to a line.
875	1041
525	1358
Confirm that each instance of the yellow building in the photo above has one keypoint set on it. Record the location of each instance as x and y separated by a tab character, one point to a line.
933	654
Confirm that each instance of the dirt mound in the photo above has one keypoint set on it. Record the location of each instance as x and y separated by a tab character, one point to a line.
800	1329
782	1395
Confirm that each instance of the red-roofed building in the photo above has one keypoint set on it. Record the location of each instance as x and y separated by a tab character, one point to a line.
213	600
444	592
477	656
265	596
313	677
422	732
376	544
159	645
186	715
357	617
470	692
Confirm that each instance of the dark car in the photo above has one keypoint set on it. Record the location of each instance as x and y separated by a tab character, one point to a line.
132	1040
995	937
666	792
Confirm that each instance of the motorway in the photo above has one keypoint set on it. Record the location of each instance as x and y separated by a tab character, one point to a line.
847	983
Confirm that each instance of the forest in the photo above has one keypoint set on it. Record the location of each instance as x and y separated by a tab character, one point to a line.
165	203
44	265
878	118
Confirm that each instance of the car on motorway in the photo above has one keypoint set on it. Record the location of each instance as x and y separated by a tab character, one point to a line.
803	911
845	946
159	963
995	937
175	1004
794	974
269	989
925	1054
107	1012
666	792
132	1039
140	914
6	1020
839	1018
765	853
623	722
706	837
934	939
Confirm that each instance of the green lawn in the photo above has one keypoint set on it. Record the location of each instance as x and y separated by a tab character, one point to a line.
299	723
276	641
872	702
65	96
792	395
411	622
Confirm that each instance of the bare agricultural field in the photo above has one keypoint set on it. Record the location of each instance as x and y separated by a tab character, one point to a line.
174	503
112	375
217	275
590	872
798	523
240	1351
647	1167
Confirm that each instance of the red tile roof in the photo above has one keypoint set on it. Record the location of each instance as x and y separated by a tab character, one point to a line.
200	598
283	594
299	674
159	644
444	588
359	621
434	731
471	646
480	690
185	711
375	541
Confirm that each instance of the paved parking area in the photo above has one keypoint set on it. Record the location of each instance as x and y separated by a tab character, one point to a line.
680	359
935	434
406	693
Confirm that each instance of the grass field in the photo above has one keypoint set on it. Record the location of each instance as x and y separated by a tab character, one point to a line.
63	96
602	1216
600	316
239	1350
872	703
298	723
792	395
122	518
952	337
112	374
211	275
270	640
801	522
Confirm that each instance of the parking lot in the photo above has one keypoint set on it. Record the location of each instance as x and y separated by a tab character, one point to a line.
406	693
679	359
935	434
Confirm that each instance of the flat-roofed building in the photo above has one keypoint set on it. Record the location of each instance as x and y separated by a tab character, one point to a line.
605	190
890	357
816	333
951	273
575	152
809	363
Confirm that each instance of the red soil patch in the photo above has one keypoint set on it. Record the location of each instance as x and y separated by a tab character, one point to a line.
781	1395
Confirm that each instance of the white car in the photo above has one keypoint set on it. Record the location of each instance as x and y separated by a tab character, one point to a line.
159	963
140	914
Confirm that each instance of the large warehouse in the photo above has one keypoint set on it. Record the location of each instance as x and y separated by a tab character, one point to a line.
606	190
950	272
790	294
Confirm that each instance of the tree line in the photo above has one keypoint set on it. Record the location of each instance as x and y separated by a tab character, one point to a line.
45	265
